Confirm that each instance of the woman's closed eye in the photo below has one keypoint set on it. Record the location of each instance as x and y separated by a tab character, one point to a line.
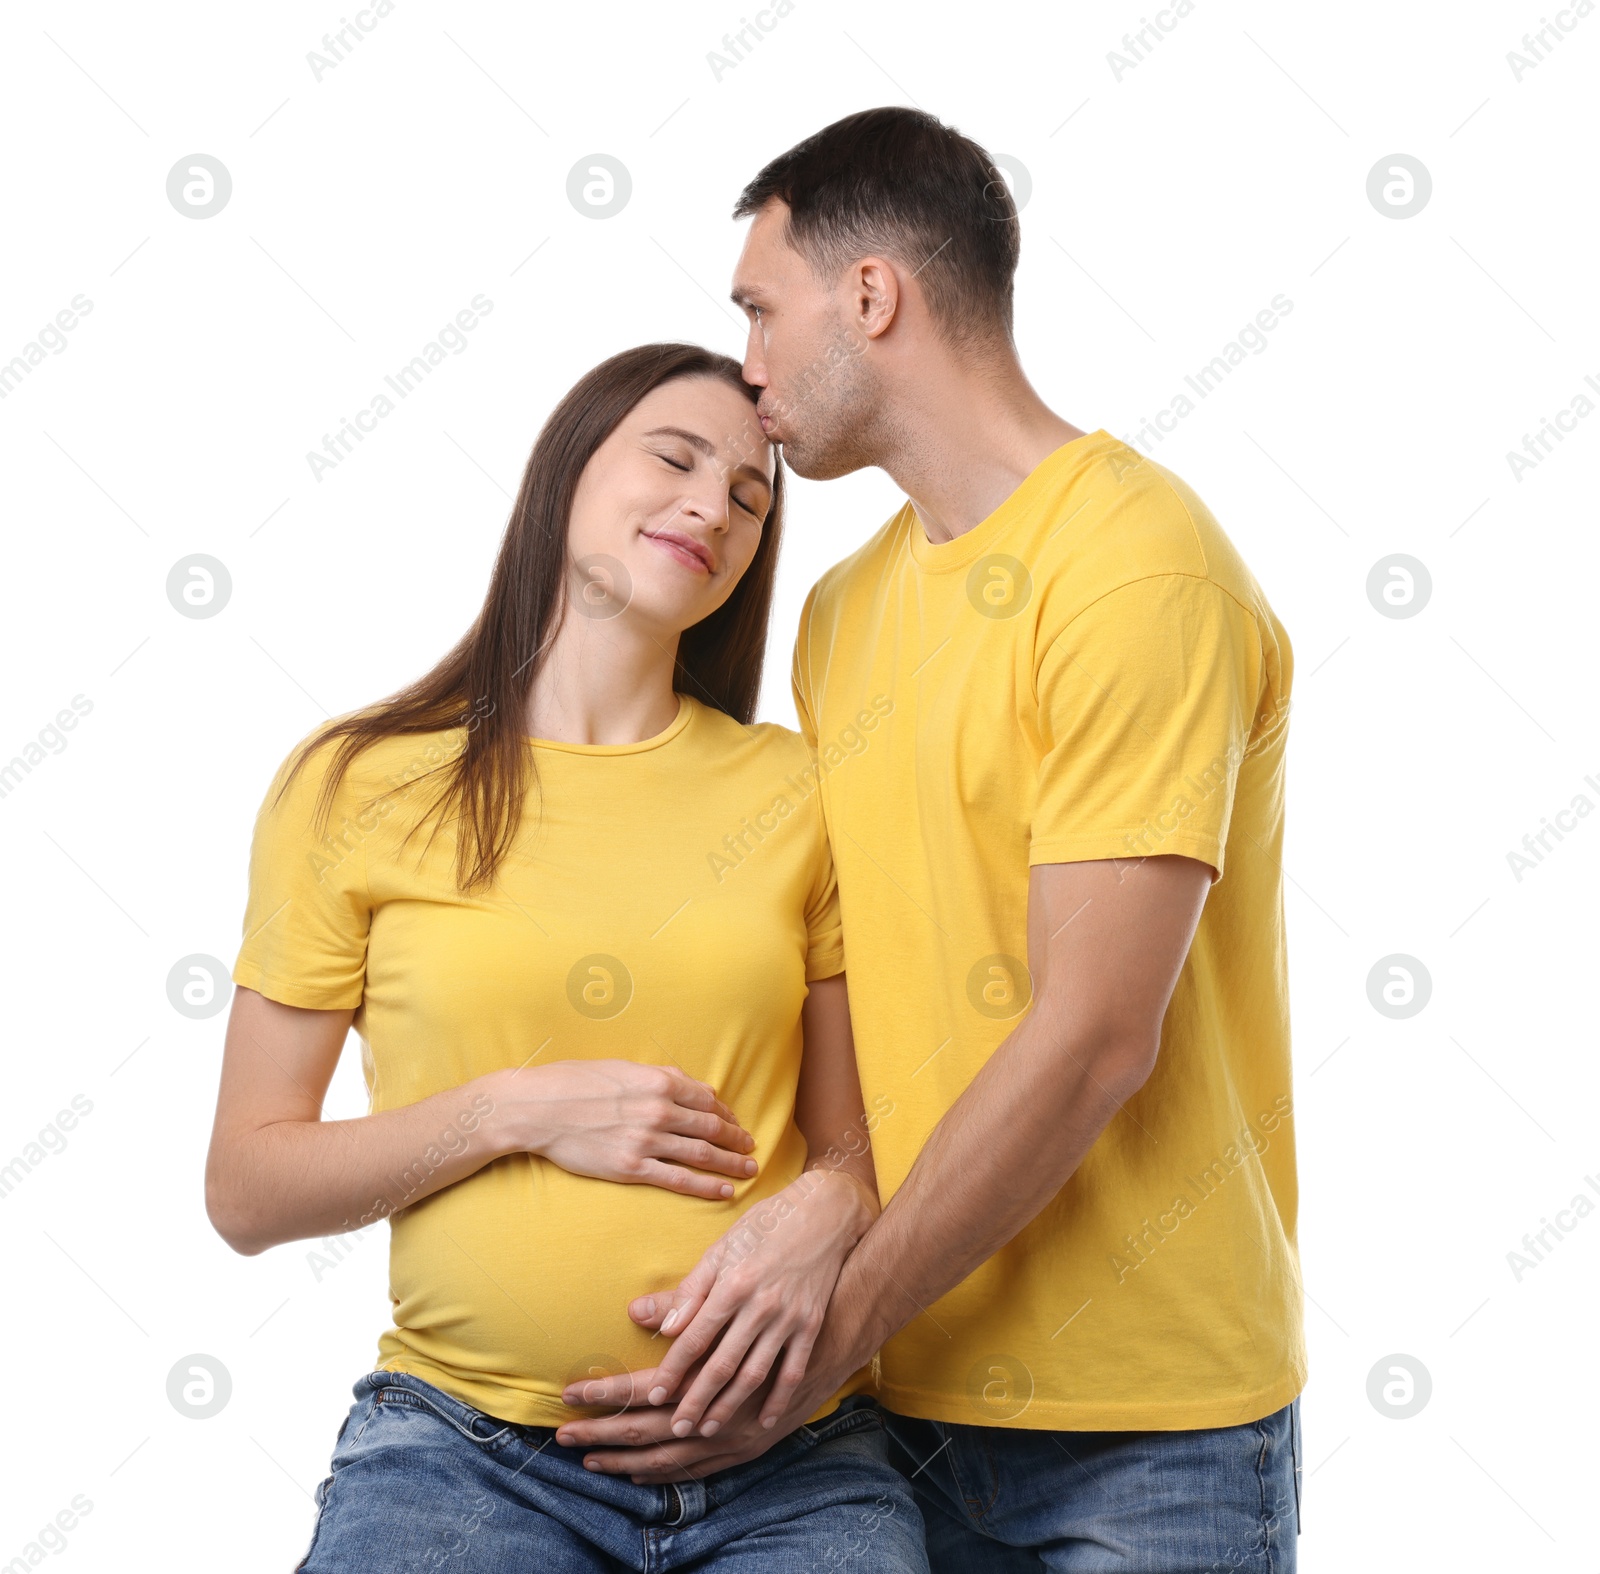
754	513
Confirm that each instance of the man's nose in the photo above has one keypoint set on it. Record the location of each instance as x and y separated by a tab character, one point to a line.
754	370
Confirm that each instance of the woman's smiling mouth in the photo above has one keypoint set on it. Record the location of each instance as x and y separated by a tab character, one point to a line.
686	550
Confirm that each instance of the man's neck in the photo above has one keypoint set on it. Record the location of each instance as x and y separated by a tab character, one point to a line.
965	440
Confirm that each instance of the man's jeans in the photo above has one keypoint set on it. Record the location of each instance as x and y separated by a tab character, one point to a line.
1002	1500
421	1481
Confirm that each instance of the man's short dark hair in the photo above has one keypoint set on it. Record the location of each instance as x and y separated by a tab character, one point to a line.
901	182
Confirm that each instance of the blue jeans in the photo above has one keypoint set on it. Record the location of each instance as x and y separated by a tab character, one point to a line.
421	1480
1002	1500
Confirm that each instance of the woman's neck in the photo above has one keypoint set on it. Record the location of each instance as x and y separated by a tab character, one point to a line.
604	681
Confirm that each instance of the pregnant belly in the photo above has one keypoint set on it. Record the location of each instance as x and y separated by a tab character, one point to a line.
510	1284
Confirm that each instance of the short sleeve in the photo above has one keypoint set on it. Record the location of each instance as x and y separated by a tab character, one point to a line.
824	925
1147	699
800	674
307	912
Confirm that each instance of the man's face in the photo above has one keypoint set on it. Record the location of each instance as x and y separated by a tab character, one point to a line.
819	398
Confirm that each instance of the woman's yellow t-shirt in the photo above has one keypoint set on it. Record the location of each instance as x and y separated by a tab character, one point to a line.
664	902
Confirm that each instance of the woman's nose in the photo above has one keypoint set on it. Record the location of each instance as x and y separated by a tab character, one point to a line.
711	508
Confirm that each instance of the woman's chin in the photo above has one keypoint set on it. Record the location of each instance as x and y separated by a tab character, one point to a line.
666	606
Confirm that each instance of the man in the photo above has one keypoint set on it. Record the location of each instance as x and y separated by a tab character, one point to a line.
1050	707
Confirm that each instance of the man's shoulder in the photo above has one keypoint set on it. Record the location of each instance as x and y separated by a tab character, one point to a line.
862	572
1141	521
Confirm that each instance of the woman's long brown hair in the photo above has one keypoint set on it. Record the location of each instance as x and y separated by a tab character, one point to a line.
482	685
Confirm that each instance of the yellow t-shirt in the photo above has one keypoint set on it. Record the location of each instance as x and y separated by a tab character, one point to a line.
665	901
1090	673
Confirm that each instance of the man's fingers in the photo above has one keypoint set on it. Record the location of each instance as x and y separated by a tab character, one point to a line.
720	1368
687	1348
791	1373
669	1312
753	1372
650	1311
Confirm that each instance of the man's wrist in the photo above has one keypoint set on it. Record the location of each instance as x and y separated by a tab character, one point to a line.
851	1332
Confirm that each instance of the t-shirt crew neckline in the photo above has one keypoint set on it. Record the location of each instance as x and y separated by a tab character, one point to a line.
940	556
686	708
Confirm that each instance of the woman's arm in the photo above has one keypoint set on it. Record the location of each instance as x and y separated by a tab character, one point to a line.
828	1107
759	1294
277	1171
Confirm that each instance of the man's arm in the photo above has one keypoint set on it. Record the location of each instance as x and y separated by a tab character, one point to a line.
1106	942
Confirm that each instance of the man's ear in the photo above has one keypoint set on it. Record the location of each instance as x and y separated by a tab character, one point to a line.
875	290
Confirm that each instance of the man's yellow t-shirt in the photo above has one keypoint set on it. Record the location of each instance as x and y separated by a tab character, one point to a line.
1090	673
664	902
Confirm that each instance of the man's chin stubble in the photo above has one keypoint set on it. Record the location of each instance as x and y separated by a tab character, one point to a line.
826	466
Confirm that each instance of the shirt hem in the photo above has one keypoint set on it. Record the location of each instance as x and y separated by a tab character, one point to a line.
1115	845
290	994
1072	1415
525	1409
825	964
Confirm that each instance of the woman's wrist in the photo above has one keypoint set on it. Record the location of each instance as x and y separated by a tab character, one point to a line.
513	1127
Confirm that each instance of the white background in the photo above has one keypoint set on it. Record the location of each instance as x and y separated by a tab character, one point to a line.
1167	209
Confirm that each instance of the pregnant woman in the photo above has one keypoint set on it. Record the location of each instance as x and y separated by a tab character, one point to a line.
582	914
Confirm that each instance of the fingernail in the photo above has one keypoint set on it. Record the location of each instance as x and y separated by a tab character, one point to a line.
668	1321
658	1396
682	1428
592	1393
770	1422
590	1465
749	1166
708	1427
648	1306
565	1442
727	1191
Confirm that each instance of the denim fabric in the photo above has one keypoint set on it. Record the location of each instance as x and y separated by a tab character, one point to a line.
422	1481
1004	1500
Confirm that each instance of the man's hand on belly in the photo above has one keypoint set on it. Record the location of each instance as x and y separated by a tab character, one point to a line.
639	1441
750	1310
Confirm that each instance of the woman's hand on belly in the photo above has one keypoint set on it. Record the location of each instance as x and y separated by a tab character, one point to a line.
754	1301
620	1121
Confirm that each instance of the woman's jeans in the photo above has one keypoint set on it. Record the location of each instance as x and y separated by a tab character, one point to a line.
422	1481
1010	1500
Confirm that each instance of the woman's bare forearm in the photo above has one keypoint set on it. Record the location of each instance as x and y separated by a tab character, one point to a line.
294	1179
828	1104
